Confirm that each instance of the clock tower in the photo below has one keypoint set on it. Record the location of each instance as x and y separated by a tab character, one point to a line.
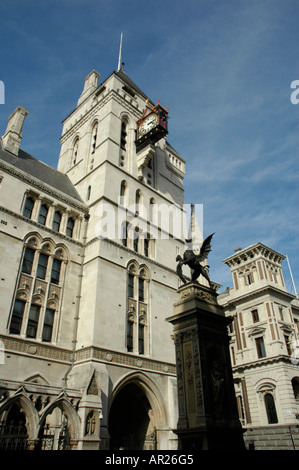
114	150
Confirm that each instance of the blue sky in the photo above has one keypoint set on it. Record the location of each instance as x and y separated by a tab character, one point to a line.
223	67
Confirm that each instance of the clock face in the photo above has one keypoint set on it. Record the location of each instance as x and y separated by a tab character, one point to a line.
148	124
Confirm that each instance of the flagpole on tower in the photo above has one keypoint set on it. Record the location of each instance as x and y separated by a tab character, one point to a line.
120	48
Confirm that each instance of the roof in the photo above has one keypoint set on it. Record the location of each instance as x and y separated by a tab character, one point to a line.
43	172
256	246
123	76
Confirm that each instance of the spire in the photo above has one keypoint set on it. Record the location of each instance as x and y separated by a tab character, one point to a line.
13	134
195	236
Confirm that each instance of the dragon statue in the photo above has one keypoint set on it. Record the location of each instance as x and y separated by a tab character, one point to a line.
194	261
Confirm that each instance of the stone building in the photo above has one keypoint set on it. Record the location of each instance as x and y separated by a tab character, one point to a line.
88	277
264	348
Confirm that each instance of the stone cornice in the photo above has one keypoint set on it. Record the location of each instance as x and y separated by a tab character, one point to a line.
124	359
267	289
17	173
264	362
48	352
39	226
133	253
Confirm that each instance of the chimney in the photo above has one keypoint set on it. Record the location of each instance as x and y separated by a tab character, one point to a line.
13	134
90	84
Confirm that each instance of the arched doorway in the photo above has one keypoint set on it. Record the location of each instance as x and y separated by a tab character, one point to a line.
131	424
54	434
13	431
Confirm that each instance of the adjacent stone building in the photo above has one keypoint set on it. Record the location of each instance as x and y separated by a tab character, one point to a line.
264	348
88	278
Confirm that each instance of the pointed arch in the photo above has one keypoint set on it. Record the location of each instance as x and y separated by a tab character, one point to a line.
152	393
33	240
63	403
75	150
21	399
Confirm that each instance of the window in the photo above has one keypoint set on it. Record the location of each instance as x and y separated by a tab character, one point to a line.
55	273
146	246
138	198
249	278
255	315
295	385
35	314
141	338
94	139
42	266
28	208
141	290
135	243
48	325
88	192
28	260
43	214
33	321
260	347
280	309
130	285
124	235
138	279
123	137
56	221
130	327
288	345
152	210
70	227
270	408
123	193
75	151
17	317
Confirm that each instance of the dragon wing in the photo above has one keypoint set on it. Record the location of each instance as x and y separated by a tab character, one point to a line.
205	248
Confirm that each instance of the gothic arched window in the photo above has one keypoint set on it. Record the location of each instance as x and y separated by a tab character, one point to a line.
94	135
123	136
75	151
138	285
37	300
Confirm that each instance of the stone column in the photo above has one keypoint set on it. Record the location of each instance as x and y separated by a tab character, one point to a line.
208	417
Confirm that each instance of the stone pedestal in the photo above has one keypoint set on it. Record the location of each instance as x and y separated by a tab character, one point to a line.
208	418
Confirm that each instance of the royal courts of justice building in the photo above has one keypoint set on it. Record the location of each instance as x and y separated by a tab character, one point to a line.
87	359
